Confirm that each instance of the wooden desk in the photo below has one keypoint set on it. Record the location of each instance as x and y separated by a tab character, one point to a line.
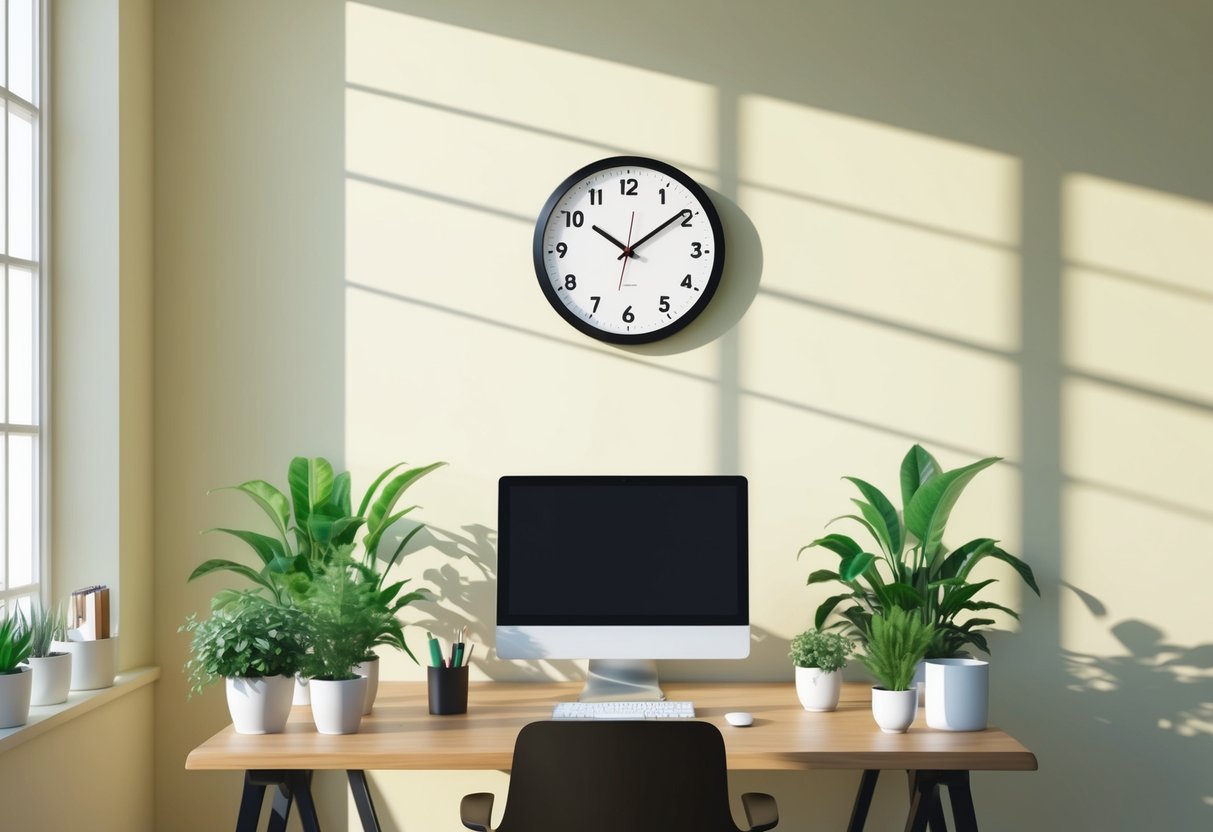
401	734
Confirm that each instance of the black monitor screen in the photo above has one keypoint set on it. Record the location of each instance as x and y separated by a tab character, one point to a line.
623	550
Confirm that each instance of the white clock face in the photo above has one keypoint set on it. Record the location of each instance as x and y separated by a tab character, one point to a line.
629	252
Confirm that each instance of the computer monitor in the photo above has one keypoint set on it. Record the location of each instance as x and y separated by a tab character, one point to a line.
623	570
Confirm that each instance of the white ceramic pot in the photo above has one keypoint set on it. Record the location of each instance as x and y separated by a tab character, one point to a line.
259	705
369	669
337	706
92	662
960	694
894	710
303	694
52	678
14	697
818	691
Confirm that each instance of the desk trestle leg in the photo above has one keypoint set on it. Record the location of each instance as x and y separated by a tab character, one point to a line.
926	807
289	787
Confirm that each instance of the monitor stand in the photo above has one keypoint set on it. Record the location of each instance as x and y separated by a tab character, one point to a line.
616	680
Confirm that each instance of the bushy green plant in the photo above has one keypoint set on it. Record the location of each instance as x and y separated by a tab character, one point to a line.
827	651
910	568
246	635
14	644
896	643
344	617
46	625
319	516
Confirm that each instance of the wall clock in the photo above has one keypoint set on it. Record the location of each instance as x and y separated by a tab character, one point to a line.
629	250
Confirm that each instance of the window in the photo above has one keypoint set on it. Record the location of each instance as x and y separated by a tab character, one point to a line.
22	376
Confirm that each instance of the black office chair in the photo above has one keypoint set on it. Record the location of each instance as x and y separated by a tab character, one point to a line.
618	777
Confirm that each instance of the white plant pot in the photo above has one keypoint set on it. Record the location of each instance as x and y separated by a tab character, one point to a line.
52	678
960	694
14	697
818	691
894	710
337	706
369	669
259	705
303	694
92	662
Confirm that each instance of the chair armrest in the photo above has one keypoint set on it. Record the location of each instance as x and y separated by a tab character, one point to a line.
760	810
476	811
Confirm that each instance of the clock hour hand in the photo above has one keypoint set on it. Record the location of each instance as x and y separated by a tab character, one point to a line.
624	248
651	234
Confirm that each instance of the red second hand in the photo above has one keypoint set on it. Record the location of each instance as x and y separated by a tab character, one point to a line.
627	252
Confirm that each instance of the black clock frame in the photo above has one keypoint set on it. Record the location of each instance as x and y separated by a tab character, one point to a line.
584	326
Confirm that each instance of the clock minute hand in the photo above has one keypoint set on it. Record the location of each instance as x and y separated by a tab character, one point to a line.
652	233
625	249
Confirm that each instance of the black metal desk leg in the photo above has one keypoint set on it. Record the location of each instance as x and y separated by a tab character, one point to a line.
362	799
924	800
963	812
250	804
300	784
280	811
863	800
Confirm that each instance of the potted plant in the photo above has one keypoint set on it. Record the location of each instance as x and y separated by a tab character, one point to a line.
52	668
909	567
320	519
819	658
343	619
255	645
896	642
15	677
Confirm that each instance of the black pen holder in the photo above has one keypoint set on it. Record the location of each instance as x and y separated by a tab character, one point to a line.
448	688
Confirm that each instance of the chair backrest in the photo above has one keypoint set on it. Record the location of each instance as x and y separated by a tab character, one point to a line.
618	776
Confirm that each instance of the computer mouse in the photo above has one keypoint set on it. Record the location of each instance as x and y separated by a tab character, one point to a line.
739	718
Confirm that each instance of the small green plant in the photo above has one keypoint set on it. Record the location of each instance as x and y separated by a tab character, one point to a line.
14	644
46	625
246	635
344	617
897	642
827	651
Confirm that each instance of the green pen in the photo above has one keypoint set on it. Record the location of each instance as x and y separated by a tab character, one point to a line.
435	651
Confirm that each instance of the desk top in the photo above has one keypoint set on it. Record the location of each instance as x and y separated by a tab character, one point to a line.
401	734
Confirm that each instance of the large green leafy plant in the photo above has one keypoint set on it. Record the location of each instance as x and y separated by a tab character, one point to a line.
909	567
896	642
320	519
246	635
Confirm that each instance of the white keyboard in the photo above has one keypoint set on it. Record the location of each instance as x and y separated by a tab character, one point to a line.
665	709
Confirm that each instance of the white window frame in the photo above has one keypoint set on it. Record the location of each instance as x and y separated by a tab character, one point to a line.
37	110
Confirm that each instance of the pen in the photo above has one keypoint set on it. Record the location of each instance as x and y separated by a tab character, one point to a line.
435	651
468	658
458	660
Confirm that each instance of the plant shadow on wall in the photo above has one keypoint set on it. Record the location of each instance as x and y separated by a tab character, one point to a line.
1153	704
471	600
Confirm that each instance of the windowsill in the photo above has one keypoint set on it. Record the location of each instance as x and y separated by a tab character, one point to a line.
79	702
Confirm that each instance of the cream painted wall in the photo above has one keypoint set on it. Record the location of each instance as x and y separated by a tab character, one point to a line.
983	228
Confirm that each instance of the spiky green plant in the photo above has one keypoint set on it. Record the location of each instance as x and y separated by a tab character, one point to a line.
909	567
897	642
46	625
14	644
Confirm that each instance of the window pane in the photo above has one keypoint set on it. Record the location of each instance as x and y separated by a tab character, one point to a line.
20	185
21	48
3	180
4	568
4	347
22	491
22	315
